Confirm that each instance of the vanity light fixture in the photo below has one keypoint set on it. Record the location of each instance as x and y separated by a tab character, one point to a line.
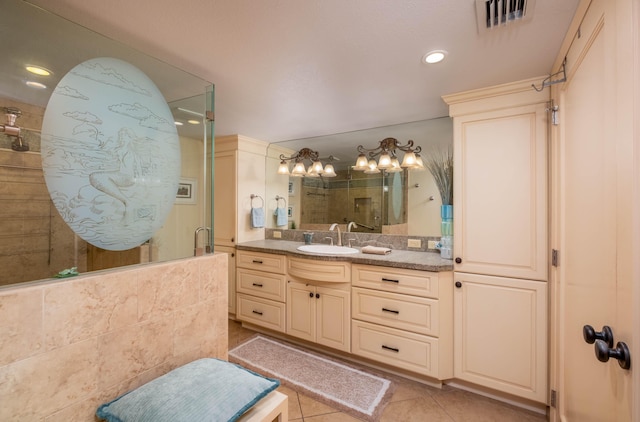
433	57
38	70
316	169
388	160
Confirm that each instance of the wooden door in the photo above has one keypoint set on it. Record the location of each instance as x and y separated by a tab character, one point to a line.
301	311
500	185
334	318
500	334
594	184
225	206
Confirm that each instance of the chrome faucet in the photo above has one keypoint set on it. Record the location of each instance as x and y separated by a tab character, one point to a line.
336	225
350	225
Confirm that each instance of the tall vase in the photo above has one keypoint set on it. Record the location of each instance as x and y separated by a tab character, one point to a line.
446	229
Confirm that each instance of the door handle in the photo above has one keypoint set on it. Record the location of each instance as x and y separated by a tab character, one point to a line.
621	353
590	335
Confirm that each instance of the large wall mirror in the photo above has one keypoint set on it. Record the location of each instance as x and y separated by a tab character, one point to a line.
403	203
36	242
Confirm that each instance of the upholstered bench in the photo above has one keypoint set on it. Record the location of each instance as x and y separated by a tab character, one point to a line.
205	390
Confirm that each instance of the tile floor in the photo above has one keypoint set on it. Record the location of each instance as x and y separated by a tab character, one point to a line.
411	402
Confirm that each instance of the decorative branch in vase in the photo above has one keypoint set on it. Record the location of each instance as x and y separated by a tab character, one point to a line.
440	164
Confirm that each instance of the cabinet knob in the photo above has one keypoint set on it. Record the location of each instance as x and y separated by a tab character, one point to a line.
590	335
458	260
310	294
458	284
317	295
621	353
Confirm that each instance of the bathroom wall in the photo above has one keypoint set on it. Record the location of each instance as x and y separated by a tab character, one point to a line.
68	345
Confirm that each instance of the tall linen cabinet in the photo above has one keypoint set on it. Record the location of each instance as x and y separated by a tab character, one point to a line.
239	168
500	238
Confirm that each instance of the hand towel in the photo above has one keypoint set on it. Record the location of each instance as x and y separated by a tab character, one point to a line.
281	216
377	250
257	218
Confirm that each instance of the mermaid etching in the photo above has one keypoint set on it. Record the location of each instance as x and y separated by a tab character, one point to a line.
132	168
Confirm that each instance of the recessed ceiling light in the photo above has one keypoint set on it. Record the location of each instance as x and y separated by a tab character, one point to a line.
38	70
194	122
33	84
435	56
179	123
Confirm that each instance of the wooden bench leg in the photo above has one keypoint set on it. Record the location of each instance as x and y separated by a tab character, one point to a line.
273	407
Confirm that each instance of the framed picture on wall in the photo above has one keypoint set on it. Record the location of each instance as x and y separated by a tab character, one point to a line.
291	189
290	212
187	189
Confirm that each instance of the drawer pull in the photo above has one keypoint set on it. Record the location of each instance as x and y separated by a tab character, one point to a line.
257	284
257	261
257	312
393	349
390	280
390	310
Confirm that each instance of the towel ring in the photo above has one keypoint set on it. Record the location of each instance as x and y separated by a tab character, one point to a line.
278	197
259	197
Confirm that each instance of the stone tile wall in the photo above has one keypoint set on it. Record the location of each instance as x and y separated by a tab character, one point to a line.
68	345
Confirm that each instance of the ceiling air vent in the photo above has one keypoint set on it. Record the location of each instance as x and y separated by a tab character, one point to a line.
493	14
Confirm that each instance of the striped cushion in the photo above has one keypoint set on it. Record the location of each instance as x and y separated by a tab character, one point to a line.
203	390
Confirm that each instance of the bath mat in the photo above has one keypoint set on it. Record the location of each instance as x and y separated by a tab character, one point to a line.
348	389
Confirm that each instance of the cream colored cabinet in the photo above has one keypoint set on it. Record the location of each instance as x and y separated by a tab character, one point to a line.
260	289
500	327
239	169
403	318
231	276
501	238
319	302
319	314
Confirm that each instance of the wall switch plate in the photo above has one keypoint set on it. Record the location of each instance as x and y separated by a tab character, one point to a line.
277	235
414	243
431	244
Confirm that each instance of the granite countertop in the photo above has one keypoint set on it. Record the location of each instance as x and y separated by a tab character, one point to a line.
425	261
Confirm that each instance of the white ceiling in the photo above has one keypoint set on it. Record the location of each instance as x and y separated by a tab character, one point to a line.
288	69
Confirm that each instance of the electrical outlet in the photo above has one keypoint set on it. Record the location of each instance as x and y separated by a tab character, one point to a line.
277	235
414	243
431	244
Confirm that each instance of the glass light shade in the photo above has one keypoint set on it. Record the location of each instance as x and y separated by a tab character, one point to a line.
299	169
372	167
311	172
329	171
409	159
395	166
419	166
384	162
283	168
317	167
361	163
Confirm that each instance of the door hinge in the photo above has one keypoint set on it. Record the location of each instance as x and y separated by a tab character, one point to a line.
211	116
554	257
553	399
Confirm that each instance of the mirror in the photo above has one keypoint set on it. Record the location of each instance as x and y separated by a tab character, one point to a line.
406	203
36	242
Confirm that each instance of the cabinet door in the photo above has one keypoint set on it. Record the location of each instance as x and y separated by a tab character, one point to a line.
225	198
231	276
333	318
500	189
500	334
301	311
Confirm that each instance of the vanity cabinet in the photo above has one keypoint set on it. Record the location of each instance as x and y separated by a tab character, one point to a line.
501	238
231	252
260	289
403	318
319	302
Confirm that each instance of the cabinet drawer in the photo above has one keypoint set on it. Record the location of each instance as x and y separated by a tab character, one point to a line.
396	280
324	271
414	352
261	261
263	312
264	285
417	314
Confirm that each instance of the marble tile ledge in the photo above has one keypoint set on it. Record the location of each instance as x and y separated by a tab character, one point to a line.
425	261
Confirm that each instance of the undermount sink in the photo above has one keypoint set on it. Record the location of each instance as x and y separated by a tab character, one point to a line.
327	249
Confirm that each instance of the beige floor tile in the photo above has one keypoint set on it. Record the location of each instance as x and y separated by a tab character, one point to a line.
408	389
415	410
464	406
312	407
331	417
295	411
